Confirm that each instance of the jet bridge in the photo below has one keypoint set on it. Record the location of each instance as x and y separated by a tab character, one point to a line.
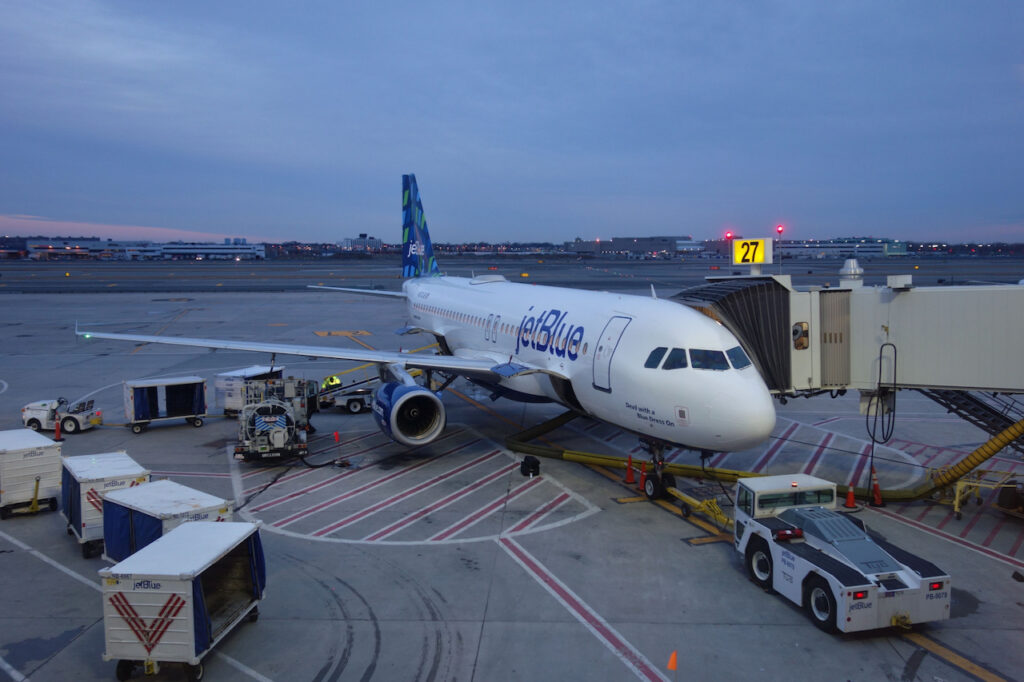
959	345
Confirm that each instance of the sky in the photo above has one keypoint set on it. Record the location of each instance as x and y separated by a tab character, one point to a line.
523	121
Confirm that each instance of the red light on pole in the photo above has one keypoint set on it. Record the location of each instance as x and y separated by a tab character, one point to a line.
779	228
728	234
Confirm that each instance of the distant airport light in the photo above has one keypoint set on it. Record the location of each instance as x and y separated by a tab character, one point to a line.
779	228
728	234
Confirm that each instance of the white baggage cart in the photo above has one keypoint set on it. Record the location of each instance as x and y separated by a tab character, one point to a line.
29	472
175	599
229	387
134	517
152	400
84	481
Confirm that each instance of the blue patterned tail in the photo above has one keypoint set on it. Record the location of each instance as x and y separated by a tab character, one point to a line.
417	252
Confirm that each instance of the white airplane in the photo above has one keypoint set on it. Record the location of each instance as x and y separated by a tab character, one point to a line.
653	367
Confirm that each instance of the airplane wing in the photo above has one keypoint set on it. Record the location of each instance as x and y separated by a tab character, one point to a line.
482	368
368	292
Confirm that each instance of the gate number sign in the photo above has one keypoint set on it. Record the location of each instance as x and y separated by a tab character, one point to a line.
751	251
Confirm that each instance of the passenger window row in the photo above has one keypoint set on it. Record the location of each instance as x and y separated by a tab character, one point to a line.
699	358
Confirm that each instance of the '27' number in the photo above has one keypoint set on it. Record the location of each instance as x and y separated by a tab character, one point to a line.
748	252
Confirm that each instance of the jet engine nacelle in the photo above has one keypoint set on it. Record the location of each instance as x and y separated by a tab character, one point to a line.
411	415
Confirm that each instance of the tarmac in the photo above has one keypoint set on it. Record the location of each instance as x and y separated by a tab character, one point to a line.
444	562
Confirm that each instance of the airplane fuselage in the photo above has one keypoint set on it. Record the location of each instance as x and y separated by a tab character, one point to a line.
599	354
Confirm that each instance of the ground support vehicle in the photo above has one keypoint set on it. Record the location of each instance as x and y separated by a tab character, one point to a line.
152	400
84	481
1009	498
229	387
299	394
136	516
176	598
44	415
351	389
29	472
794	542
269	430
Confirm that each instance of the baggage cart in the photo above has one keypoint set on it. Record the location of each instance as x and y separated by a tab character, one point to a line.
229	387
29	472
175	599
136	516
84	481
152	400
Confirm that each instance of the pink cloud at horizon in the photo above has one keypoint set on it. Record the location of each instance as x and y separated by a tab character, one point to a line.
29	225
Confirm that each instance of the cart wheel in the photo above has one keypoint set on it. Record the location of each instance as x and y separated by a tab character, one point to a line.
254	615
959	515
5	513
354	406
194	673
34	424
759	562
70	532
53	504
69	425
685	509
138	428
197	422
820	603
86	550
125	668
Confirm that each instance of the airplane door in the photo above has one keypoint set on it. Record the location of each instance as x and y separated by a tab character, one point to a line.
487	327
606	345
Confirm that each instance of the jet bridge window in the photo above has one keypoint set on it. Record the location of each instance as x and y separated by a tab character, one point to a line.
708	359
738	358
676	359
654	359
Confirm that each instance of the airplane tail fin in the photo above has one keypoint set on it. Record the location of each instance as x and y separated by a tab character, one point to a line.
417	252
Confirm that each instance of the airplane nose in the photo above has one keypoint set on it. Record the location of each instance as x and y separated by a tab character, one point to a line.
747	420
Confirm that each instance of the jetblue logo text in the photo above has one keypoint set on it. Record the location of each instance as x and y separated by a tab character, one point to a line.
146	585
549	332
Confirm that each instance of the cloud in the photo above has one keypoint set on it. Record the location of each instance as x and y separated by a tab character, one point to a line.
28	225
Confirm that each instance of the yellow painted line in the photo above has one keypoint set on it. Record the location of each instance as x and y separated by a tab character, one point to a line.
220	284
951	657
278	324
343	332
113	284
710	539
627	500
161	330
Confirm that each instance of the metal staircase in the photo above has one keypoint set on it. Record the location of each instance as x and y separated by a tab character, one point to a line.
990	412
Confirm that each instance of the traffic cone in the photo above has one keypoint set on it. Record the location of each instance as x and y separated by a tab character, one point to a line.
629	471
56	431
643	475
337	438
875	490
851	503
672	661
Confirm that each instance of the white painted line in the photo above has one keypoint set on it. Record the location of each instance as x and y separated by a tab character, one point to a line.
9	669
241	667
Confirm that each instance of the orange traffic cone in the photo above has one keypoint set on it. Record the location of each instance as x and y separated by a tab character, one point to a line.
56	431
672	661
851	503
337	437
629	470
875	490
643	475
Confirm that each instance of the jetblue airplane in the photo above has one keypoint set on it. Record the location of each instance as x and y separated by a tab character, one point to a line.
653	367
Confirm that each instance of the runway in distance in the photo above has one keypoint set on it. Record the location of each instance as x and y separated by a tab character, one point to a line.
653	367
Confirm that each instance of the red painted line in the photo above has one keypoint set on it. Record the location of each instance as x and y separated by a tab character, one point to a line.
718	459
952	538
281	523
622	649
484	511
827	421
305	491
612	437
977	515
1016	545
539	514
995	532
443	502
405	494
946	519
770	453
858	468
822	446
300	474
924	512
928	460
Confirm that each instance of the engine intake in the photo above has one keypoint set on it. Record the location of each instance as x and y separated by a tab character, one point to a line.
410	415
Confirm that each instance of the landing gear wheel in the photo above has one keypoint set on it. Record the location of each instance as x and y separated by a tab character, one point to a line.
759	563
197	422
34	424
69	425
354	406
194	673
820	604
125	668
653	488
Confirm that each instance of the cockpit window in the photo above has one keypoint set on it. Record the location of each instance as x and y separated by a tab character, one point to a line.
708	359
738	358
676	359
654	359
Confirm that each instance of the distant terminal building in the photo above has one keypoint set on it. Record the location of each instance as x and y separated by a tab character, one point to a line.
637	247
50	248
363	242
843	247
